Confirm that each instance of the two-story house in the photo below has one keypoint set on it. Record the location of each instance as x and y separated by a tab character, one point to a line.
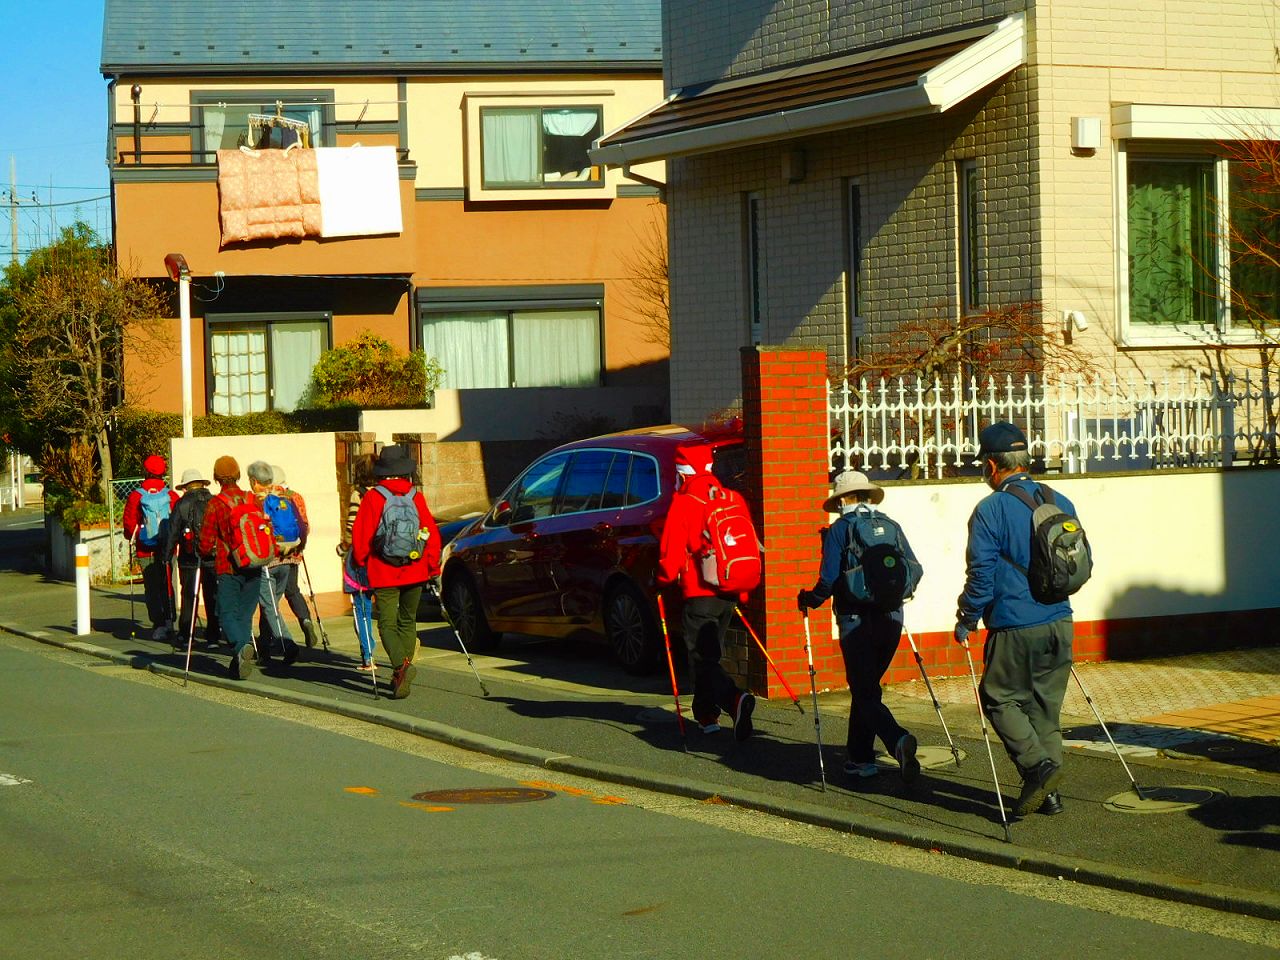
837	169
415	168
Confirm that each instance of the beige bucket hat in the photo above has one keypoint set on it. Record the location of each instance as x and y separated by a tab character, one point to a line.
850	481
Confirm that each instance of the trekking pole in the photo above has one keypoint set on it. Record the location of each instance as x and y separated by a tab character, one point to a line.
360	639
175	592
447	619
813	689
671	666
791	693
133	586
324	637
191	629
982	718
1119	756
932	696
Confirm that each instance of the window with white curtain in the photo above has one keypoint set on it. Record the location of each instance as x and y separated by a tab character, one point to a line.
536	147
223	117
520	344
262	362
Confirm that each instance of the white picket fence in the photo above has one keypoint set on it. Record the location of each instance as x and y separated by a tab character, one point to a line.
925	426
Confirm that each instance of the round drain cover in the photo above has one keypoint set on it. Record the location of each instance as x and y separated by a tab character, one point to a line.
1170	799
482	795
930	758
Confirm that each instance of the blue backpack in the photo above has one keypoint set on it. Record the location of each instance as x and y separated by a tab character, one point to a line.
283	514
875	569
400	537
154	506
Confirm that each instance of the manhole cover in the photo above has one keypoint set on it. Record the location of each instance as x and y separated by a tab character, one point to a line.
485	795
930	758
1162	799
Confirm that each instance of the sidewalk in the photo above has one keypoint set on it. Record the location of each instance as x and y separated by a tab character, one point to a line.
566	707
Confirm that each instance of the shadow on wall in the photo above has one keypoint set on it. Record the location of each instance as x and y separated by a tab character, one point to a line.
1133	628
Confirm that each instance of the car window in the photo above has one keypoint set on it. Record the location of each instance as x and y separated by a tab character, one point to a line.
729	464
535	494
615	485
642	485
585	482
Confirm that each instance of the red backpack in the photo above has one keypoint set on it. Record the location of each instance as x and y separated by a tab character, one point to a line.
730	560
253	543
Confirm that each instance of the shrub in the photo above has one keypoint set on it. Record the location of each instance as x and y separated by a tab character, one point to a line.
368	372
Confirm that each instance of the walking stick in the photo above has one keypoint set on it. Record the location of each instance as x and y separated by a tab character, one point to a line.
360	639
671	666
932	696
449	620
813	689
191	629
791	693
133	586
982	718
324	637
1119	756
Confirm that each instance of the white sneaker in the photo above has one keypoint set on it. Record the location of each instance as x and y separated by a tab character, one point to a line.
861	769
709	727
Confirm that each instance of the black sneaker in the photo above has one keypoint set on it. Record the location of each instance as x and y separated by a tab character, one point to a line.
742	727
1040	781
905	754
1052	805
290	653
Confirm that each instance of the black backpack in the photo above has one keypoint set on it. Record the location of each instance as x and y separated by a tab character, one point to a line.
875	569
189	518
1060	562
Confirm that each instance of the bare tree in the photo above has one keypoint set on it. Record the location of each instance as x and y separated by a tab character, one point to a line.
648	279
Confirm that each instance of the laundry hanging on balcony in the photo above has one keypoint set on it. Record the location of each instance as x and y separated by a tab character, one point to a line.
298	192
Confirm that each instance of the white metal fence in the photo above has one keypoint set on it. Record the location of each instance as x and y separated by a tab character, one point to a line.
930	427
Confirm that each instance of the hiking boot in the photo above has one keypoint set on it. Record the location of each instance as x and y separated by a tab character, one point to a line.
855	769
1040	781
290	653
905	754
1052	805
242	663
401	679
160	632
742	727
309	633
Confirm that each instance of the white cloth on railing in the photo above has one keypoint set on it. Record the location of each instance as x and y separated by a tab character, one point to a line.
359	191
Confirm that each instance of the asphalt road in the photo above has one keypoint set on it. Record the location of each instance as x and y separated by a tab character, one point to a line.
147	820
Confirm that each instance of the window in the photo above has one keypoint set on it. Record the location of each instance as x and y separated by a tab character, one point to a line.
642	484
853	266
549	338
230	119
970	238
534	494
1189	267
753	240
526	148
259	362
585	483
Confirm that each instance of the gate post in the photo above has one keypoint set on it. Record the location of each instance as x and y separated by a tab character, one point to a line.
784	411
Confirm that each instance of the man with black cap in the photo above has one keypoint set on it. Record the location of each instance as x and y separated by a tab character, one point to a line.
1028	650
395	539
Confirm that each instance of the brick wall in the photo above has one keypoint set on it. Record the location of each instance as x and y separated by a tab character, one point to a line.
784	409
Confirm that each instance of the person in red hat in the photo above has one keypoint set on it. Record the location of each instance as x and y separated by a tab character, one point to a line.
707	611
146	526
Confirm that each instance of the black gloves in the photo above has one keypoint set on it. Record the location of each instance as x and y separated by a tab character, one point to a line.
805	599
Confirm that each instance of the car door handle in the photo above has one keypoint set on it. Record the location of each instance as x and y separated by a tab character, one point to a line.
601	528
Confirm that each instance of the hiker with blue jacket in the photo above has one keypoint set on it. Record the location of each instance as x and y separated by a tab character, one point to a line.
146	526
1027	658
396	541
868	569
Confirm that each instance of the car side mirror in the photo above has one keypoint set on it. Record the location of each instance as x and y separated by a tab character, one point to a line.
502	513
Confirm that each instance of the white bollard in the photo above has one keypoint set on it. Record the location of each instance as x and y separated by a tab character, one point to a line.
82	590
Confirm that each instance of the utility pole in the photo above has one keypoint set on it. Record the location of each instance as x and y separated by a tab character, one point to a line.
13	209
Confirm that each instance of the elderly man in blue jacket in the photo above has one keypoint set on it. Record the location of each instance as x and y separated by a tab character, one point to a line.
1028	650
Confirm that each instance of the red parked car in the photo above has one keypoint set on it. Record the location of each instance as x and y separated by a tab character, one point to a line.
572	545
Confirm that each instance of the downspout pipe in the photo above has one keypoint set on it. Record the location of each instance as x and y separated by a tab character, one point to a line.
135	92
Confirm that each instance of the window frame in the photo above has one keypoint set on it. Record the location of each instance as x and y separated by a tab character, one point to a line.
1221	331
854	249
200	99
969	247
447	300
542	183
753	264
474	101
266	319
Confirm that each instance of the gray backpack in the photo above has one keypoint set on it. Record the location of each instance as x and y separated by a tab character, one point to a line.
1060	561
399	538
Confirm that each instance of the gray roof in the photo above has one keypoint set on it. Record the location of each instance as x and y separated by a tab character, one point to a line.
257	36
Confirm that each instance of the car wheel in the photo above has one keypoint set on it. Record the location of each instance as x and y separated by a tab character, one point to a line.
462	603
630	629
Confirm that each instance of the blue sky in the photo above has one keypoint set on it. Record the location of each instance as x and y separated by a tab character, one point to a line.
52	117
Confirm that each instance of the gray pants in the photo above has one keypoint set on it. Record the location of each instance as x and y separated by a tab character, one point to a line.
275	581
1023	685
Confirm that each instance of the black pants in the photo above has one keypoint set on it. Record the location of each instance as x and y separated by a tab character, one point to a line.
868	643
713	690
293	595
208	599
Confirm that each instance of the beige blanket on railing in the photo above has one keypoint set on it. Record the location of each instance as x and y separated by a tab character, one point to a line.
268	194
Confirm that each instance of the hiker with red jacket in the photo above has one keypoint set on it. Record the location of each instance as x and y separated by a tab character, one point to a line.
395	540
237	586
146	526
706	609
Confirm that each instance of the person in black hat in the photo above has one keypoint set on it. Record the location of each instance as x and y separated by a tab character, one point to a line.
1028	648
395	540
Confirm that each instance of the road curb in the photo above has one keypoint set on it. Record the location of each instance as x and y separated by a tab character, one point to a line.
1011	856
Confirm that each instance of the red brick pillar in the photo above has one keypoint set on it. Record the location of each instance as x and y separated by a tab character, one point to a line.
784	410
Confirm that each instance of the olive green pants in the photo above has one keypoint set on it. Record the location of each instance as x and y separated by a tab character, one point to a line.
396	610
1023	686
